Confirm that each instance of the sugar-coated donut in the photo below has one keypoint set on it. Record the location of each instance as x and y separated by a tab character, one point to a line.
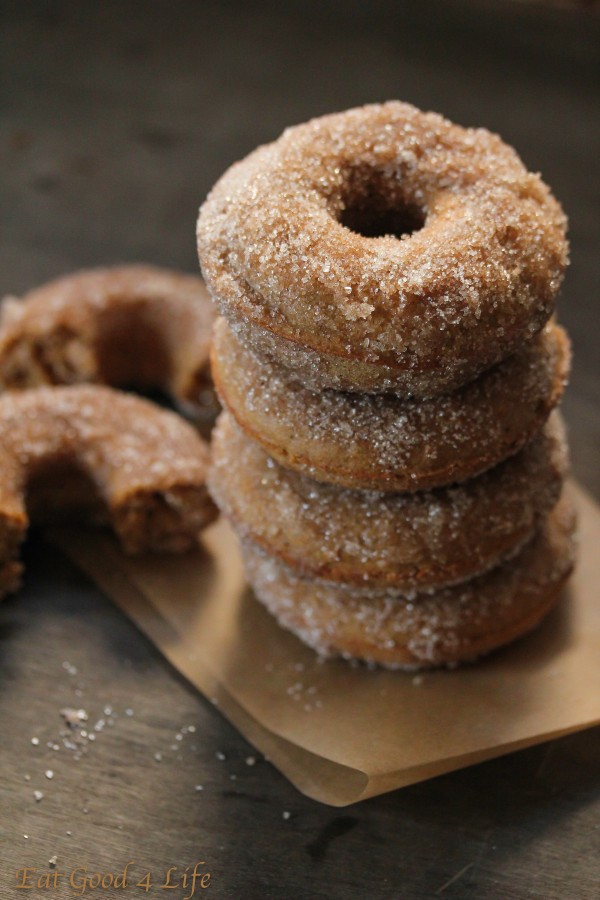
452	625
384	248
381	442
408	541
97	451
129	326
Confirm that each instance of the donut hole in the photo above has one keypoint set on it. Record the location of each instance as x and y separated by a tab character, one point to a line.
374	204
132	347
60	489
373	221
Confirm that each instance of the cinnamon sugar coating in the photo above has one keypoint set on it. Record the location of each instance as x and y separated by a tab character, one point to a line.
408	541
387	237
93	451
446	627
129	326
381	442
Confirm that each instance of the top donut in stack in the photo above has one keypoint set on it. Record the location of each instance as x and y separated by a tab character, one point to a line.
387	281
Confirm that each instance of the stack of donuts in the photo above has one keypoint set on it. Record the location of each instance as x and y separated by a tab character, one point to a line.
389	366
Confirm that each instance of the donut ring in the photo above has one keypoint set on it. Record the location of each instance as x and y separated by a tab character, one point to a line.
66	450
409	542
129	326
381	442
453	625
300	240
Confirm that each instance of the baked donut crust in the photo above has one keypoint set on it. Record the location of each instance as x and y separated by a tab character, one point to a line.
407	541
385	443
109	455
322	371
128	326
299	239
454	625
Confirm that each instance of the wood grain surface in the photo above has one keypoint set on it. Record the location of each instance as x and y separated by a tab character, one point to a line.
116	119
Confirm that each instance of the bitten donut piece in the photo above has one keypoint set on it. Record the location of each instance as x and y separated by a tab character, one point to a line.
381	442
129	326
407	541
450	626
108	455
385	237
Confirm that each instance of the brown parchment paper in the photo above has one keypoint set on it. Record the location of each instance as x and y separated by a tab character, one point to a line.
339	733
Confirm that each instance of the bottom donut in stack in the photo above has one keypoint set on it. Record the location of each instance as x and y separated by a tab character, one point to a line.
442	627
405	580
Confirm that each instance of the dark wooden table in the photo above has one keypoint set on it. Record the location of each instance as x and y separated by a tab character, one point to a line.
117	118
